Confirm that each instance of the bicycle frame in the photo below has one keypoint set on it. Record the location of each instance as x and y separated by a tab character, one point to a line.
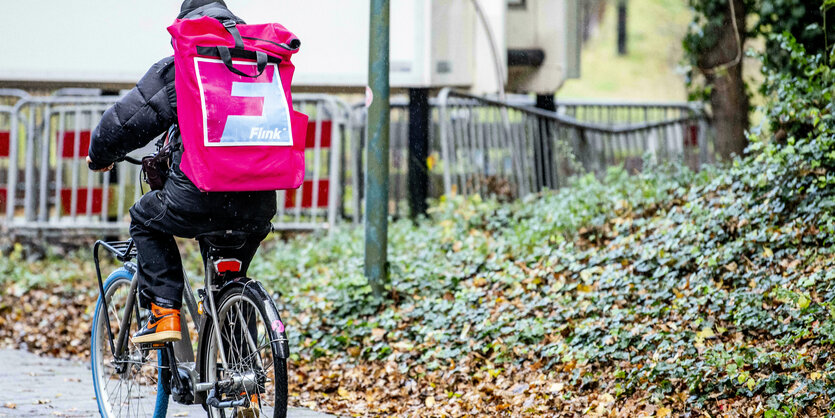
183	351
185	378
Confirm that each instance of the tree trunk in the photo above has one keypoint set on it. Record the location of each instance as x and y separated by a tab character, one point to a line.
729	100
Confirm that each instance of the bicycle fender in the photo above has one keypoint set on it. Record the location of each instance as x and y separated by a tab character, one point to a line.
280	343
282	346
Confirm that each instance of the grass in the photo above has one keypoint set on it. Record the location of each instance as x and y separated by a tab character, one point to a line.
651	69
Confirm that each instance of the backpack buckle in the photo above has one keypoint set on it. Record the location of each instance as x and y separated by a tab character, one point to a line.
231	27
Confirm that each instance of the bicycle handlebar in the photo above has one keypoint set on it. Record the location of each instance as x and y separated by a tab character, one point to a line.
131	160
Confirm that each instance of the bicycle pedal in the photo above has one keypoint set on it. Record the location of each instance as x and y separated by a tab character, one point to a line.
151	346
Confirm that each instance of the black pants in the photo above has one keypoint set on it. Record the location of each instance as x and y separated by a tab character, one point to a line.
155	222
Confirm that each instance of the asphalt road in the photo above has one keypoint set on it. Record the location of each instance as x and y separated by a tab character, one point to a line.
32	386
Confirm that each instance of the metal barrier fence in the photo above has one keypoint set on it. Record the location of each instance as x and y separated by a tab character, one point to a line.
610	112
619	113
46	187
481	145
8	100
495	148
317	204
46	168
476	145
398	157
491	148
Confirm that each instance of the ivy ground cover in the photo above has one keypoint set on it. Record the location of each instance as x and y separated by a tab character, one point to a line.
660	294
664	294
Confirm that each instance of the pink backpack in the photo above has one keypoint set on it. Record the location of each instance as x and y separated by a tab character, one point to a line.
236	117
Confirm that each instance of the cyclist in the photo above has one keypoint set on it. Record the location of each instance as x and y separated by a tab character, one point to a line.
179	208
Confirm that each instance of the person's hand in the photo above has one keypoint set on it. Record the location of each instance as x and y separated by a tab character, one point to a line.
101	170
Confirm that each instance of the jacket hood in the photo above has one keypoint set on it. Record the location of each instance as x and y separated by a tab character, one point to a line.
216	9
189	5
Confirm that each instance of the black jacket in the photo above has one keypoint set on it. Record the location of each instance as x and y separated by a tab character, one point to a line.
150	109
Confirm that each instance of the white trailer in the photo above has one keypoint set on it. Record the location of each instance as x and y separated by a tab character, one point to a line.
434	43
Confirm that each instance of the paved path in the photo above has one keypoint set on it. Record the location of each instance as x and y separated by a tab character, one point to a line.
48	387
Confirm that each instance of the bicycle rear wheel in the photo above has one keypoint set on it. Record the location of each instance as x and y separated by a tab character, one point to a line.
128	386
250	329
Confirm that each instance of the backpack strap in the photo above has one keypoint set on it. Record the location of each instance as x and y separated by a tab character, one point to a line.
260	57
226	56
231	26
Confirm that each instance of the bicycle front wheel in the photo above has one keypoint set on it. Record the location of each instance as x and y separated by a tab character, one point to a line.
250	330
127	386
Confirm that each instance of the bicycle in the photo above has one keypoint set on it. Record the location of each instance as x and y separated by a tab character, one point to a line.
241	365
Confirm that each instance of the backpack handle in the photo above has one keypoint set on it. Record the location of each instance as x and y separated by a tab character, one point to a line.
260	58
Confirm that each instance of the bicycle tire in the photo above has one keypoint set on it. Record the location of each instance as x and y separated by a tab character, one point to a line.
117	280
266	333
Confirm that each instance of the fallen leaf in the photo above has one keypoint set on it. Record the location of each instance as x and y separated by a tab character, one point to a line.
10	405
706	333
663	412
556	387
400	345
378	333
430	401
465	331
519	388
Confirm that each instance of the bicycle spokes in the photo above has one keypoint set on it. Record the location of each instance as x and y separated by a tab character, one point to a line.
249	381
127	383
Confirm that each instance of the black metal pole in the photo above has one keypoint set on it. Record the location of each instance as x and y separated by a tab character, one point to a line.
622	50
546	156
546	102
419	113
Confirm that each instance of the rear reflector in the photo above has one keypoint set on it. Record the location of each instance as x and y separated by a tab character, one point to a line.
225	265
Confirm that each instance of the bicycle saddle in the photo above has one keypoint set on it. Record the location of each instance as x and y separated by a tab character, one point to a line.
223	239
